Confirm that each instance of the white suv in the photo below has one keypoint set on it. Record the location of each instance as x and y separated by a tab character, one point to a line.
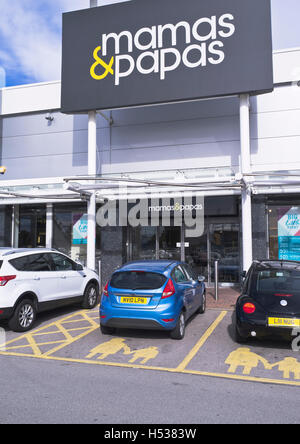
35	280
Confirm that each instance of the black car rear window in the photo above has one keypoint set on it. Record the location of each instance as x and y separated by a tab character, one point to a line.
278	281
137	280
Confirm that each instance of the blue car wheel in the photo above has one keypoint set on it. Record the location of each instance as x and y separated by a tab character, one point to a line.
179	330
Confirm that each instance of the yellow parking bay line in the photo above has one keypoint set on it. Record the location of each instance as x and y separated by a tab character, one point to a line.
182	366
243	378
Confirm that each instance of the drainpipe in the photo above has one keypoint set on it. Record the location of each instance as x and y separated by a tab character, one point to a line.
246	191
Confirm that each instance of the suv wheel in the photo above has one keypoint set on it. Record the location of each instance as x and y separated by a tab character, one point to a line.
24	316
90	297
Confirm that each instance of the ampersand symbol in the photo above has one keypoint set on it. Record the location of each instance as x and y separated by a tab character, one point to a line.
107	67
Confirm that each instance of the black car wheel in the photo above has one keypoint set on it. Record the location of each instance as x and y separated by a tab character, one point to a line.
238	337
23	317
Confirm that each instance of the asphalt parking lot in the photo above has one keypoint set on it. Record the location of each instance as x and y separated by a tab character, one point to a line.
208	348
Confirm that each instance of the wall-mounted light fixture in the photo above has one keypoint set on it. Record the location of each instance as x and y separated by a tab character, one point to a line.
49	117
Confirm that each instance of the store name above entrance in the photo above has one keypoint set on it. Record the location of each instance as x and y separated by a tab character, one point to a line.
206	46
162	212
160	51
176	207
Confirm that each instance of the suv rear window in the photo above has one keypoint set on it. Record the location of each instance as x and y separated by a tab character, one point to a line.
278	281
33	262
137	280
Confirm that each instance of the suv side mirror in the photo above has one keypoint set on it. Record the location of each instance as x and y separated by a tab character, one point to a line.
201	279
244	274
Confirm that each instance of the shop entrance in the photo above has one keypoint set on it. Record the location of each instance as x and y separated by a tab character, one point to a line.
220	242
32	226
224	248
154	243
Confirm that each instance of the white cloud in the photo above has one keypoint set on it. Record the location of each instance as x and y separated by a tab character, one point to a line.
31	34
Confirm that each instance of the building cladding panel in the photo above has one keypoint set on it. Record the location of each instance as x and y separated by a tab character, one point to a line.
201	134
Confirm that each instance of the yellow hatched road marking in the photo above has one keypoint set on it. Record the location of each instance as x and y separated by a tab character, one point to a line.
57	332
76	338
39	344
60	330
91	320
33	345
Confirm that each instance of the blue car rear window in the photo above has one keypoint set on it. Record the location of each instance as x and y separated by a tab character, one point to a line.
137	280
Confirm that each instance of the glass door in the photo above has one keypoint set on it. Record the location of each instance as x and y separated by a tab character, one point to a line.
142	243
169	243
146	243
196	254
32	227
224	248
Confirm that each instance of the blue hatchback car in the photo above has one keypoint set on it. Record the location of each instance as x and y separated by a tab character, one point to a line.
152	295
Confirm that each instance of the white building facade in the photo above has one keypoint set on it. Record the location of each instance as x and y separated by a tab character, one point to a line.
251	191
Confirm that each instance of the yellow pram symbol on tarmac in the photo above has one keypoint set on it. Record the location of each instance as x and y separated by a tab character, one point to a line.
145	354
243	357
288	366
118	345
107	67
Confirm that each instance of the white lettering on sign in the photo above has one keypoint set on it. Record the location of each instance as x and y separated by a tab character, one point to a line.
203	40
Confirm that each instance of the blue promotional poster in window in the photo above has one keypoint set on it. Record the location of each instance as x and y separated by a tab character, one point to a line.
80	223
289	233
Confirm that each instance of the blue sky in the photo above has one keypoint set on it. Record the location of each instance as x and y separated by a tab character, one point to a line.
30	36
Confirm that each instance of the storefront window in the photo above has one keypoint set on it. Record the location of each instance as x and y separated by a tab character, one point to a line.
32	226
5	226
70	230
284	232
219	241
144	243
224	248
196	254
111	250
169	243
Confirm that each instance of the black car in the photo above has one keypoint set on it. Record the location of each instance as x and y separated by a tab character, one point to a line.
270	300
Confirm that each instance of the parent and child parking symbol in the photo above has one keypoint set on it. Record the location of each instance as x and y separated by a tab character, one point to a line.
243	357
118	345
